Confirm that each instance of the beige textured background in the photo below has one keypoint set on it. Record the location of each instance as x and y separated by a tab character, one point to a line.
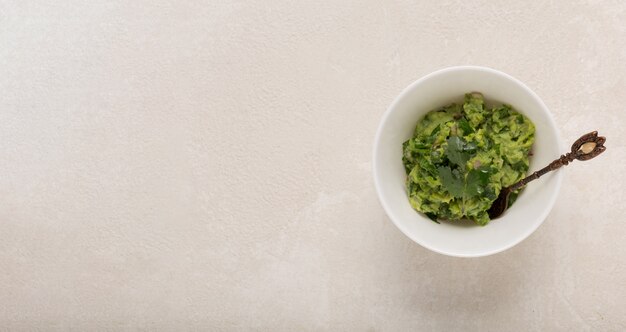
206	165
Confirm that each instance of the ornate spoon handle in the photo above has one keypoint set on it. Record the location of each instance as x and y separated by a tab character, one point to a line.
586	147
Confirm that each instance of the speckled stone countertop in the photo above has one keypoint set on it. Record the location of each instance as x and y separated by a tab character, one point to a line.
206	165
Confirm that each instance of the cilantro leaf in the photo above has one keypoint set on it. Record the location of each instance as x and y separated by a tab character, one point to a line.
435	132
455	151
476	181
470	147
432	217
465	126
452	180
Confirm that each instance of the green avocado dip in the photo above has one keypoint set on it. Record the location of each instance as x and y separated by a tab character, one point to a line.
461	156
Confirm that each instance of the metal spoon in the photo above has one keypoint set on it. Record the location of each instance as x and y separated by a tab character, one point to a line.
585	148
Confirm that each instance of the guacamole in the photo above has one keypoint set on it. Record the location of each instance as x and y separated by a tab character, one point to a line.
461	156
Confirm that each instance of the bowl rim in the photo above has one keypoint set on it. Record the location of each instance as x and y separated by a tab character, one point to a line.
385	118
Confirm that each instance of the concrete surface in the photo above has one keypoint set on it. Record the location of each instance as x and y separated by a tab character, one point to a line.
205	165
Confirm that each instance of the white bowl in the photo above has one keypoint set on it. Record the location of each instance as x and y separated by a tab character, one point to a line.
464	239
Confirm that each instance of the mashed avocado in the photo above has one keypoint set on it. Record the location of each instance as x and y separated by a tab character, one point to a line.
461	156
